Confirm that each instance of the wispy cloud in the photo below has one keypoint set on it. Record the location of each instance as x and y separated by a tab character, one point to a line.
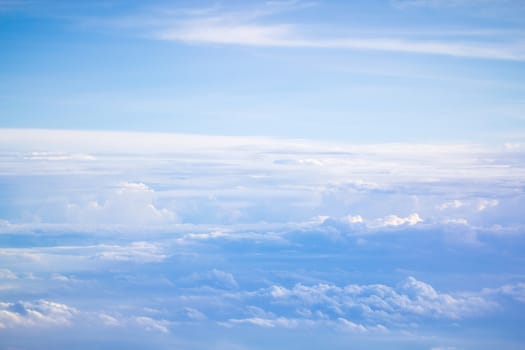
286	35
411	297
256	27
448	3
262	25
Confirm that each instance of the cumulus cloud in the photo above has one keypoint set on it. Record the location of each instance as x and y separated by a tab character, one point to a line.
486	203
394	220
49	314
131	203
451	204
411	297
357	224
479	204
515	291
353	219
272	251
42	313
231	186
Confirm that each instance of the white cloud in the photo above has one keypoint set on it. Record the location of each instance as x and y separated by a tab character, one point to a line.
356	224
341	324
194	314
486	203
412	297
456	221
150	324
253	26
353	219
442	3
213	290
257	35
58	156
287	36
224	277
515	291
130	204
451	204
136	251
233	235
81	318
42	313
267	322
394	220
145	323
246	28
72	258
351	326
7	274
479	204
218	188
109	320
60	278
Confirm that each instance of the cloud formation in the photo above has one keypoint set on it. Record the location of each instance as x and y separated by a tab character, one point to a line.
164	231
42	313
250	28
262	182
376	302
130	204
7	274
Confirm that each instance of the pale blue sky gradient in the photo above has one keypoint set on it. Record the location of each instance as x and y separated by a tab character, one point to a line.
355	71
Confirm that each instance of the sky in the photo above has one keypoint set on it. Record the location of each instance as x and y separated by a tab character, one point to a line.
262	174
355	71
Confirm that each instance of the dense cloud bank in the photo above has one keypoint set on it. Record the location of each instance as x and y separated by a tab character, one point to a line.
176	236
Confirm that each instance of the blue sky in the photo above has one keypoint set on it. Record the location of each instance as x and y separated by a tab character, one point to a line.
356	71
262	175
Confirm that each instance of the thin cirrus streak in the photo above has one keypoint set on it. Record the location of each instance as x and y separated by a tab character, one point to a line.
285	36
255	26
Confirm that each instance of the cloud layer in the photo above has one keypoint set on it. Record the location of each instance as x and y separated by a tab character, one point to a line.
157	237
